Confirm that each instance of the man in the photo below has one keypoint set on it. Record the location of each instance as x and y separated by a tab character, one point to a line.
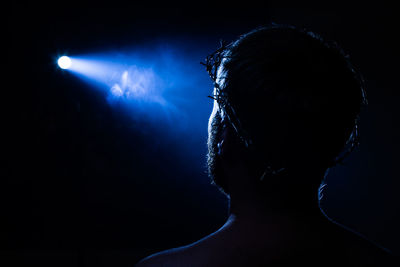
286	108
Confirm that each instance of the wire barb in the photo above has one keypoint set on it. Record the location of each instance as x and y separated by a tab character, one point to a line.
212	64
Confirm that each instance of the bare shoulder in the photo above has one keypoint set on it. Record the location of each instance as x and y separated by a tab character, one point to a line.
199	253
371	254
170	257
335	247
359	249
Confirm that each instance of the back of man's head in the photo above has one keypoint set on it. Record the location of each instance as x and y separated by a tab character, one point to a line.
296	97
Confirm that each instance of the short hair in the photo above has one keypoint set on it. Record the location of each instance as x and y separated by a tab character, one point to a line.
297	96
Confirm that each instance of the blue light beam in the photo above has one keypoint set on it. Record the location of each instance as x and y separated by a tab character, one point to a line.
165	84
161	87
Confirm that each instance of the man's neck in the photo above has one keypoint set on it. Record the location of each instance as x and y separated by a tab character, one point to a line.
285	210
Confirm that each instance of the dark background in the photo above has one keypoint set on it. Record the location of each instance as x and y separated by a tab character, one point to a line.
83	187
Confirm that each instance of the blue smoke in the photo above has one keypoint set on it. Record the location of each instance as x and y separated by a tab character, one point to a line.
161	85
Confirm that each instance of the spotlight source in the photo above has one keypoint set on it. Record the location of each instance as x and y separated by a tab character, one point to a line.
64	62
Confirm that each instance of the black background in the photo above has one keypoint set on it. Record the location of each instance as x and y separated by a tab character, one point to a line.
81	188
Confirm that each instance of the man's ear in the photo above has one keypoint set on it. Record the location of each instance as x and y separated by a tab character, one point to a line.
223	135
221	144
221	138
227	143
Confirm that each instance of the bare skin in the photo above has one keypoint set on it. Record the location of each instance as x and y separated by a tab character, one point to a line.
283	228
246	243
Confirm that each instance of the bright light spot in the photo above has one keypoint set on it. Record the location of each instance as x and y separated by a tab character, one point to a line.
64	62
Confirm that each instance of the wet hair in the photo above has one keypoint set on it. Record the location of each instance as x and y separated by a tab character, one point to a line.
295	95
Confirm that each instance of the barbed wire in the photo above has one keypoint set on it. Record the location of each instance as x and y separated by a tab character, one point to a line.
213	62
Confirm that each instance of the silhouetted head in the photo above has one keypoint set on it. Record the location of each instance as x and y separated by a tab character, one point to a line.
286	102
